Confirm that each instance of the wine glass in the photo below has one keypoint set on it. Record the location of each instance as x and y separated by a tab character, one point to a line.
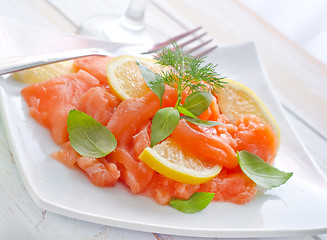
128	28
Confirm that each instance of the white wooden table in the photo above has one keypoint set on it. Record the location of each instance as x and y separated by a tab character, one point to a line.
299	80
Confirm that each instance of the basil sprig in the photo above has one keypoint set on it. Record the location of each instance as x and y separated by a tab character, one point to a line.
89	137
197	102
163	124
166	120
261	172
197	202
186	112
153	81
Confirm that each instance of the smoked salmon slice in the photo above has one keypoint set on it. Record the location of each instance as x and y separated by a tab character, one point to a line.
99	103
136	174
231	187
205	146
162	189
50	102
94	65
257	138
131	115
100	171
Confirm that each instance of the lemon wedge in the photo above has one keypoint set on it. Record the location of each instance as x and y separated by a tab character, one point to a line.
236	100
125	77
45	72
169	159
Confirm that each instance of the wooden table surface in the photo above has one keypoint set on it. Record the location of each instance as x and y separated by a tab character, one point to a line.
299	80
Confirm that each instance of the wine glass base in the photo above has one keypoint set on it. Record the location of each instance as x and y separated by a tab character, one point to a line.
114	29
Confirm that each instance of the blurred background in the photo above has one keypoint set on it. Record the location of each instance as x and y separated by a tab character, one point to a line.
303	21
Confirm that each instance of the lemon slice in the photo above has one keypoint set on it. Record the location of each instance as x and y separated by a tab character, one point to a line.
44	73
170	160
125	77
236	100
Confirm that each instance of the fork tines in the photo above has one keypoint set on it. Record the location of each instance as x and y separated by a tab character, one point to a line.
191	41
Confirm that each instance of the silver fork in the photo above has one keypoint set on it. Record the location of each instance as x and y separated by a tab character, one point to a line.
13	64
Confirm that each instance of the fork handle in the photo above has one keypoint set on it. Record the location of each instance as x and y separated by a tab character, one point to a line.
13	64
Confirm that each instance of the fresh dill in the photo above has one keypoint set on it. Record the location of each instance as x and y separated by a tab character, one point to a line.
188	73
185	73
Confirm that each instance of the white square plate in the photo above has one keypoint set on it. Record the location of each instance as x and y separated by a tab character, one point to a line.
297	207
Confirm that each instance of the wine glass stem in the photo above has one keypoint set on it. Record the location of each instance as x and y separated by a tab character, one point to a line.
133	18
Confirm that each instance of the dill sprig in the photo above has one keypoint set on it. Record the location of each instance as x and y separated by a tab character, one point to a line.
187	72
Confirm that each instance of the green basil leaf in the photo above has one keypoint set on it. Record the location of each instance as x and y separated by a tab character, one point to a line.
164	123
201	122
184	111
153	80
198	102
261	172
89	137
197	202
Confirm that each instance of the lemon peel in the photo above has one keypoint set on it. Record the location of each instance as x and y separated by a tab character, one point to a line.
45	72
125	78
169	159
